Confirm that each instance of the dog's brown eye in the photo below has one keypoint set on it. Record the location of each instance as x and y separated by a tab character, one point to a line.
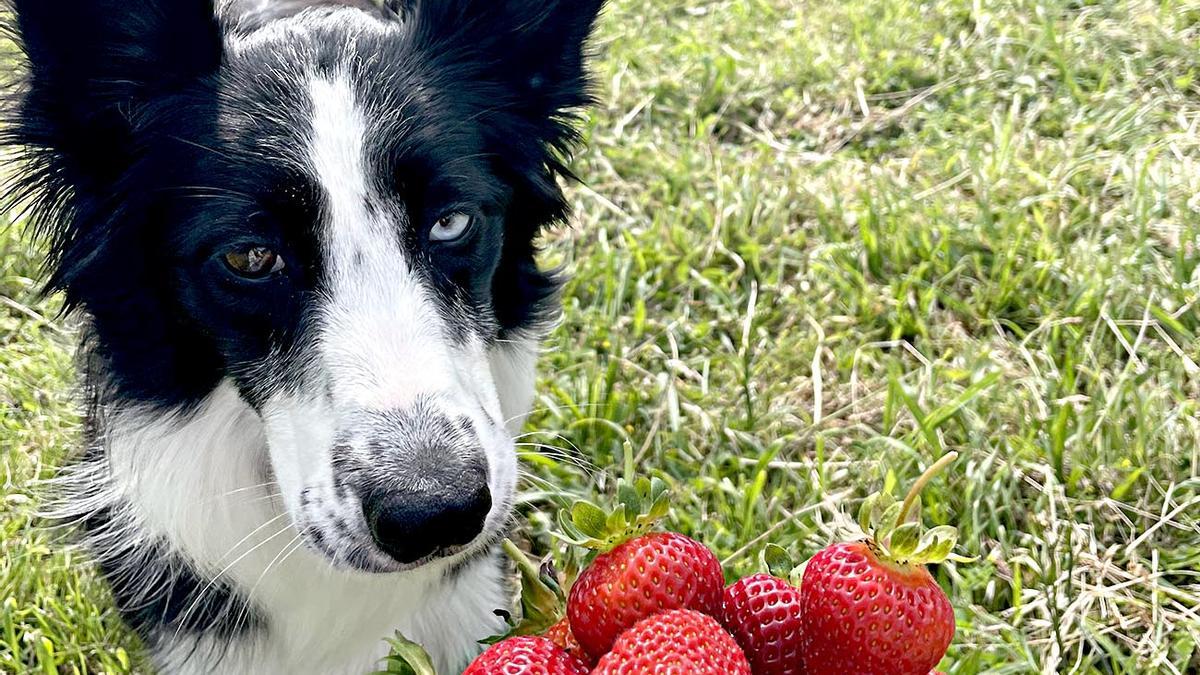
254	263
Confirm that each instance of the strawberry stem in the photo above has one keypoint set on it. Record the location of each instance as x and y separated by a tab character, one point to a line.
915	492
524	565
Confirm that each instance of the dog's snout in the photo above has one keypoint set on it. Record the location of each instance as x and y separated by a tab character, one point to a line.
442	511
423	479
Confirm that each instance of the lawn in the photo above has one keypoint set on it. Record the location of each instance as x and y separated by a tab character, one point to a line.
819	244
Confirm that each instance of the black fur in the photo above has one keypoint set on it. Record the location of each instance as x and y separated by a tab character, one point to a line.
147	150
158	593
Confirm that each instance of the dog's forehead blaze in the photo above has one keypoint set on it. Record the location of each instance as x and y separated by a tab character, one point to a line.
381	336
336	154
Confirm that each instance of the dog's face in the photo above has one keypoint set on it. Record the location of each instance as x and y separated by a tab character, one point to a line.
333	210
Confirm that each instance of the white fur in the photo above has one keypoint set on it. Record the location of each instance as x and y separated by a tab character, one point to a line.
222	484
382	345
196	481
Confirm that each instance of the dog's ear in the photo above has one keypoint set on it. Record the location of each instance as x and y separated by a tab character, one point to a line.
93	70
91	64
521	63
531	48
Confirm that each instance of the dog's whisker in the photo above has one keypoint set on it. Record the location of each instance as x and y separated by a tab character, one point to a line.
248	488
552	434
261	498
284	553
244	539
217	578
550	447
572	453
561	456
551	408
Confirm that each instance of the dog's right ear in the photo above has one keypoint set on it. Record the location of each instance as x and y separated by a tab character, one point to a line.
94	69
92	64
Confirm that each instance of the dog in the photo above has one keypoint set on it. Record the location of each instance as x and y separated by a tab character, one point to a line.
301	238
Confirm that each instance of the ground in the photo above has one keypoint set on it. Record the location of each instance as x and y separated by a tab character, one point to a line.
819	244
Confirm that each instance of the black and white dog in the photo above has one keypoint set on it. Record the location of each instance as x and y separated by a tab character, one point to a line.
302	235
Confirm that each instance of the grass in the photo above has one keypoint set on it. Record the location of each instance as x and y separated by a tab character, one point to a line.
821	244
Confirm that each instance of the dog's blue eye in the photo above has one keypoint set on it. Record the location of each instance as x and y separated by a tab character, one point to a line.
257	262
451	227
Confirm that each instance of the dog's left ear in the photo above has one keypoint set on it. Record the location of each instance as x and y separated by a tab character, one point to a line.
532	50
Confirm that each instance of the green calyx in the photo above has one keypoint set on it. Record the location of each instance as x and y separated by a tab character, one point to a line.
543	600
406	658
781	564
639	506
543	604
896	530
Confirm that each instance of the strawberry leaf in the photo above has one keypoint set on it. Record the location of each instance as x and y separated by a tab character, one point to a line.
589	519
408	658
895	528
628	496
778	561
914	515
618	520
866	512
658	490
796	576
639	506
542	597
658	510
904	540
887	521
936	545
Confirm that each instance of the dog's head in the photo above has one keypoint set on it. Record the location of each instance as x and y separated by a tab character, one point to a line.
333	210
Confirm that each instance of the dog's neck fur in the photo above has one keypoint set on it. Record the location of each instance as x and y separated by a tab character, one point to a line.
184	501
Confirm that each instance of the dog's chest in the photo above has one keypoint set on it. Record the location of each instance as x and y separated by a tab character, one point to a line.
338	626
343	626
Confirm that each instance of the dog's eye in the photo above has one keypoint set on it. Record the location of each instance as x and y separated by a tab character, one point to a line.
451	227
257	262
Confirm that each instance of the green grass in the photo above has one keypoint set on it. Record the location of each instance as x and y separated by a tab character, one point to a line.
821	244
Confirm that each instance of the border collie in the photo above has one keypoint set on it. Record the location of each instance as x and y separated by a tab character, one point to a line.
301	235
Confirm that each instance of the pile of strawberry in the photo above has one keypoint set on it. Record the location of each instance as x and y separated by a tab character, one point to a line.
656	602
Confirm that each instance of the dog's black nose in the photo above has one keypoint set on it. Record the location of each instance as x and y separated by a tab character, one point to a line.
442	512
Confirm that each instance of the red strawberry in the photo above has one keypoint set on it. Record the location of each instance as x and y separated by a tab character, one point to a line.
561	635
640	578
526	656
871	607
862	614
676	642
762	613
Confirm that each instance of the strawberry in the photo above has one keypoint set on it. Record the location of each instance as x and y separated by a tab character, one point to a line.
676	642
639	578
561	635
871	607
762	613
526	655
900	621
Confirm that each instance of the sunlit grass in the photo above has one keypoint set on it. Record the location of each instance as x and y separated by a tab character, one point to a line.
820	244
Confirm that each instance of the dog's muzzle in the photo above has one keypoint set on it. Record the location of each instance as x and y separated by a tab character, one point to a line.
423	485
